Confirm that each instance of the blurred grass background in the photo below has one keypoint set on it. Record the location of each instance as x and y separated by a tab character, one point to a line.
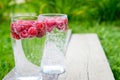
85	16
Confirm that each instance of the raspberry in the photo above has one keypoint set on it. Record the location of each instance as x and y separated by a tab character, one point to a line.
12	26
41	34
32	31
18	28
27	24
60	25
14	35
40	27
24	34
50	24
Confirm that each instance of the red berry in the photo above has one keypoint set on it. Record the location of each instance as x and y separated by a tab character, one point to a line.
60	25
24	34
18	28
26	24
50	24
41	34
12	26
14	35
40	27
32	31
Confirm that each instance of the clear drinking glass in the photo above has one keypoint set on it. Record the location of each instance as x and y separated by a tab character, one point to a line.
53	61
27	36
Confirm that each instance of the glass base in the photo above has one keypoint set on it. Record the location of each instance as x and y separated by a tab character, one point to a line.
55	69
28	78
16	77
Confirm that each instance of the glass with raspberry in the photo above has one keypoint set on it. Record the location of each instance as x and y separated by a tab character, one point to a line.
53	61
28	36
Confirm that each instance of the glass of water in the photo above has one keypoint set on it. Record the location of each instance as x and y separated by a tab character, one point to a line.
28	37
53	61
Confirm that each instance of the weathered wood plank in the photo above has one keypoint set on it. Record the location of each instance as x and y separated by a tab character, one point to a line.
98	66
86	59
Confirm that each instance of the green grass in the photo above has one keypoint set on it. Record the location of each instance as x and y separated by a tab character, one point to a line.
109	36
6	56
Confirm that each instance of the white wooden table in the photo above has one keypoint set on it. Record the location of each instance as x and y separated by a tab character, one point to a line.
86	60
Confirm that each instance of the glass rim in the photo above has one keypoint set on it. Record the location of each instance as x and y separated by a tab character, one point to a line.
53	14
20	17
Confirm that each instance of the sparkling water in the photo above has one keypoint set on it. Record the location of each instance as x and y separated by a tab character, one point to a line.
53	61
